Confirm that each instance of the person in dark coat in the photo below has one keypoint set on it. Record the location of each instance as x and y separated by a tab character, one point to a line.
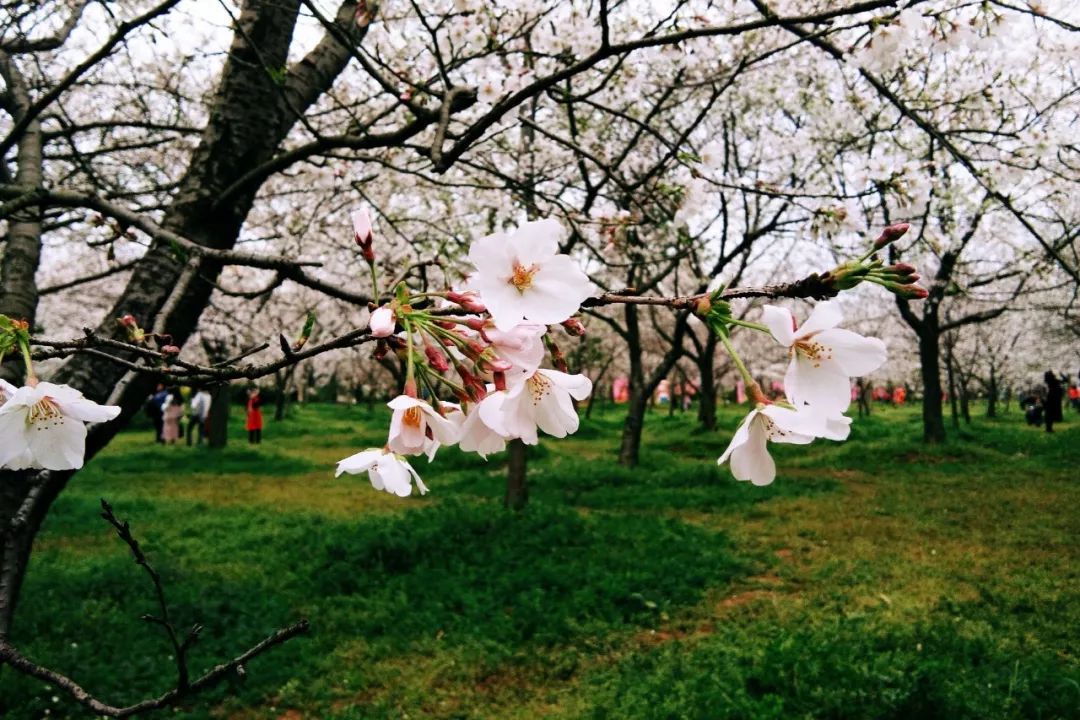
1052	404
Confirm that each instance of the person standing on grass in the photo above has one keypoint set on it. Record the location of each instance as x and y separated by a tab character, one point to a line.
1052	404
172	414
155	407
254	416
200	410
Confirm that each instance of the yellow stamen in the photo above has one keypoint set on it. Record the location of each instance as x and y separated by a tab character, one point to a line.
412	417
522	278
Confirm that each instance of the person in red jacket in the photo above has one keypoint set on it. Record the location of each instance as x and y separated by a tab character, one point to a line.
254	417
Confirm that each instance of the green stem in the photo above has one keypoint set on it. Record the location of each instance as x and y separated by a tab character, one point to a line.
410	375
374	282
24	347
747	324
746	376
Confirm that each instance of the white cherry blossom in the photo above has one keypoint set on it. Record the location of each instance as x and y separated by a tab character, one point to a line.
410	424
824	357
522	345
386	471
481	430
539	401
44	426
521	276
748	449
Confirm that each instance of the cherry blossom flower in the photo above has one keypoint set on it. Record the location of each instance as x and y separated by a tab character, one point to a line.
410	424
481	430
44	426
521	276
385	470
824	357
748	451
539	401
522	345
381	322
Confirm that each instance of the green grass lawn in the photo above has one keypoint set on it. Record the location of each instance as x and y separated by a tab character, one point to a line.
875	579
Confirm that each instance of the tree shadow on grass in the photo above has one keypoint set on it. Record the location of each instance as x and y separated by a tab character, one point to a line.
494	583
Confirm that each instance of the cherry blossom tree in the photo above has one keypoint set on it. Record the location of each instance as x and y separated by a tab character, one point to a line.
217	167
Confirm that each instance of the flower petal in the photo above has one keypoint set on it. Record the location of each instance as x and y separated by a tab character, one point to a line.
822	385
751	460
825	316
739	438
57	443
855	354
780	323
358	463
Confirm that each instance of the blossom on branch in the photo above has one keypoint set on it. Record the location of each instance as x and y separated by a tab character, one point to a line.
521	276
539	401
415	423
748	449
43	426
386	471
824	357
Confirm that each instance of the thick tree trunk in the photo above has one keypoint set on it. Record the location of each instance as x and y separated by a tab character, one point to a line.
218	419
517	484
252	112
930	369
630	447
707	390
952	389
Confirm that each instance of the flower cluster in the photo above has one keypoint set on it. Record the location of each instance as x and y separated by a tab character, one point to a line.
483	344
817	387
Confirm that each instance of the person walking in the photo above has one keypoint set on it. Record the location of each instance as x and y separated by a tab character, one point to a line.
172	413
155	407
254	417
199	412
1052	404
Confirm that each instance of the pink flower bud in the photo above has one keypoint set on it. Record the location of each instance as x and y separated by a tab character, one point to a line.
574	327
476	324
129	321
362	233
170	350
436	359
891	234
912	292
382	322
470	301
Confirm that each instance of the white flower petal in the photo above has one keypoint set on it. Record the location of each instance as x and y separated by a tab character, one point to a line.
751	460
358	463
57	443
824	386
780	323
739	438
825	316
856	355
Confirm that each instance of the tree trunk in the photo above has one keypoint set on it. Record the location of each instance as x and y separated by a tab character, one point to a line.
992	394
929	361
707	383
517	485
630	447
952	389
251	113
218	419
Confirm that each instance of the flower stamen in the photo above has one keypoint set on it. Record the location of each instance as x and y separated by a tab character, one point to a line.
522	277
